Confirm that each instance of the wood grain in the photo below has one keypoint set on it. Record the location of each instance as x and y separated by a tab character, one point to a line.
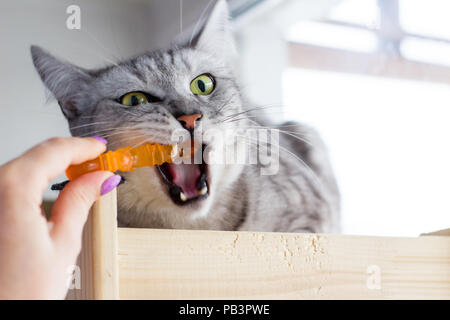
98	257
443	232
182	264
177	264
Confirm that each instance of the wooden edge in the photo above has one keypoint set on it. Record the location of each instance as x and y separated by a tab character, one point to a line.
188	264
98	258
182	264
443	232
104	247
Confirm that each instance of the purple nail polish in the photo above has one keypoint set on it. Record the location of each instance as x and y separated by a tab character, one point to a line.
110	184
102	140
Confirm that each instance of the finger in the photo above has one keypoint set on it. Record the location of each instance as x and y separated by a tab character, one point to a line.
72	207
46	161
43	211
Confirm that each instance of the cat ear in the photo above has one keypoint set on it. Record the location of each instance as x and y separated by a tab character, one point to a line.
216	35
64	80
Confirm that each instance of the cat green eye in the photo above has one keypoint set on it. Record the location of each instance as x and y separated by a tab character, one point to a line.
133	99
203	84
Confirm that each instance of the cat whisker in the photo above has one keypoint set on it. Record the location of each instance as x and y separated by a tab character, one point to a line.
225	105
288	133
90	133
91	124
116	130
301	162
124	139
293	134
248	111
135	133
250	117
200	20
102	46
96	54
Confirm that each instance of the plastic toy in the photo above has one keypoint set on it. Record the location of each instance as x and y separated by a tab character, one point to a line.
126	159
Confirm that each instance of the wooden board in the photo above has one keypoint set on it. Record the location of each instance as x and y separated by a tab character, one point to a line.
177	264
98	257
444	232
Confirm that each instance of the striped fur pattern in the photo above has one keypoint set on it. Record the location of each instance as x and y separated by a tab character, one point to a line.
301	197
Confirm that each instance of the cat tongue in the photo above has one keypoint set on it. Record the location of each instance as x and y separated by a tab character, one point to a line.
185	176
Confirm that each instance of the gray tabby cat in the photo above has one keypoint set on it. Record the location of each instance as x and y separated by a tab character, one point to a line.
147	98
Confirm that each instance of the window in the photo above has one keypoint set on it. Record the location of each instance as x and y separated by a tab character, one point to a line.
373	77
344	37
409	29
357	12
428	18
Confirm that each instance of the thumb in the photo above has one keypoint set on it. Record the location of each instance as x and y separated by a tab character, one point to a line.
71	209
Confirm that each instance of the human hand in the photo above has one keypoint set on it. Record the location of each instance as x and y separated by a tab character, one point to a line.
35	254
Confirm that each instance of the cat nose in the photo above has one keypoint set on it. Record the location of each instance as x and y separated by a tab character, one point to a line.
188	121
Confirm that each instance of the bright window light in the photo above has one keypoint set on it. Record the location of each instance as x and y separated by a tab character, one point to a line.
361	12
433	52
425	17
388	141
327	35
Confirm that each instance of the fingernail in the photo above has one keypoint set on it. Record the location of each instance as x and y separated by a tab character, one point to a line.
102	140
110	184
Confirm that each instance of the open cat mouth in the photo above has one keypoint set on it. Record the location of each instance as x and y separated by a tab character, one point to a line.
186	182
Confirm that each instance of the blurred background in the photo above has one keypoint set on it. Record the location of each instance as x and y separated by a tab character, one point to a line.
372	76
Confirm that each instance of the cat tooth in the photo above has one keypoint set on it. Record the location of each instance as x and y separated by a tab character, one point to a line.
183	197
175	152
203	191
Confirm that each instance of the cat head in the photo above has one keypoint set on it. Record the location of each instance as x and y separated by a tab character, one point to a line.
146	99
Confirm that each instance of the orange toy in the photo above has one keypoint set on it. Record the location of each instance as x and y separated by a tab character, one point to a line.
126	159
